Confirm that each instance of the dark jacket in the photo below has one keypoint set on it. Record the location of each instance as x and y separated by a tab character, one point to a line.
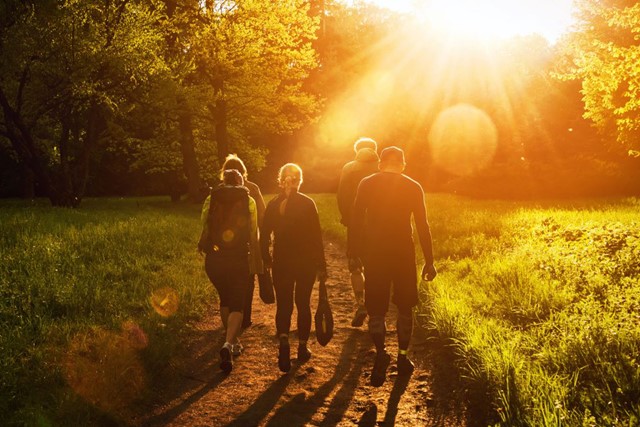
365	164
297	237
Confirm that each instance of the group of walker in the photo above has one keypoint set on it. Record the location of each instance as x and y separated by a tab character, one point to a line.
241	238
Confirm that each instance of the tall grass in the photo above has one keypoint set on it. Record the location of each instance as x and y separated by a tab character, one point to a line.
542	305
541	302
73	275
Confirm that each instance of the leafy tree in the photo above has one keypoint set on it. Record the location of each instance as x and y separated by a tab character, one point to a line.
255	56
67	69
604	54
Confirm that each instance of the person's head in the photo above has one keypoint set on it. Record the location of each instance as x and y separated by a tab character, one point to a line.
365	143
290	177
234	162
232	177
392	160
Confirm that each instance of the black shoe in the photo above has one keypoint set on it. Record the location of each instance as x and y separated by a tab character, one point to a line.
358	318
405	365
303	353
379	372
284	356
226	361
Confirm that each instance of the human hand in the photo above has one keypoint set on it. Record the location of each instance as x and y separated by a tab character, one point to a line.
200	248
355	265
429	272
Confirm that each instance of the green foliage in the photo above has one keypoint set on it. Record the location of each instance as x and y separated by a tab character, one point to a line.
544	315
540	302
605	55
67	68
87	272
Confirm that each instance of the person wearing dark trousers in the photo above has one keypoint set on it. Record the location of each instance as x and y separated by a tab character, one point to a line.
298	259
230	229
234	162
380	238
364	164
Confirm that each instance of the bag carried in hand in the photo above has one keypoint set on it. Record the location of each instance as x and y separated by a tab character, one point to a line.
324	317
265	283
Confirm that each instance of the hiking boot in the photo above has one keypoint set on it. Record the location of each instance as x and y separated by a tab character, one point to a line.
358	318
379	372
405	365
303	353
236	349
284	356
226	360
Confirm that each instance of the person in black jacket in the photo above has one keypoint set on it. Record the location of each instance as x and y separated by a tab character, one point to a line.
298	259
381	237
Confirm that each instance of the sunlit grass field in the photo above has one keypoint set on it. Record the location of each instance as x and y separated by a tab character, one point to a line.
92	301
541	305
540	302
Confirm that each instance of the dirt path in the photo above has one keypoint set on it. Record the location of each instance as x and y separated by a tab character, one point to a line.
330	389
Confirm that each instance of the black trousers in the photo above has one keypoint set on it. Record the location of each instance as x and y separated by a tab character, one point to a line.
229	275
293	283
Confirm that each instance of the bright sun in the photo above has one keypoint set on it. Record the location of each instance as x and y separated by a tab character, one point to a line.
489	19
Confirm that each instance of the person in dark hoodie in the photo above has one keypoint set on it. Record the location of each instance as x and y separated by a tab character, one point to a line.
364	164
298	259
230	228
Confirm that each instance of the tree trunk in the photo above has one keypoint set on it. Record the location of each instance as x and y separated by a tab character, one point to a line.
96	127
28	182
22	142
187	147
222	138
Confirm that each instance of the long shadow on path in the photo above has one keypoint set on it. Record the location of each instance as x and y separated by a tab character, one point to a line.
300	410
171	414
265	403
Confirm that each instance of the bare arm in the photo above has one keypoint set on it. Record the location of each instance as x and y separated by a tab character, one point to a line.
422	227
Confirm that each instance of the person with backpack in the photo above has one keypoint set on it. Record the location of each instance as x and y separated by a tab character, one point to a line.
364	164
234	162
298	259
381	239
230	226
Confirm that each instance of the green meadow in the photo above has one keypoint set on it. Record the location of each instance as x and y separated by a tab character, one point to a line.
538	302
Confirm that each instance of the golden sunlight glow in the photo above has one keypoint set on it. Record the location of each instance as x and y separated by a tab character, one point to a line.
490	18
463	140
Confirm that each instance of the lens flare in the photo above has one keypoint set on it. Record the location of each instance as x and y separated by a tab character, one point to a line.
165	301
463	140
228	235
105	370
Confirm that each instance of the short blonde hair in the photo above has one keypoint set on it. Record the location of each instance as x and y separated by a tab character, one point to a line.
290	170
